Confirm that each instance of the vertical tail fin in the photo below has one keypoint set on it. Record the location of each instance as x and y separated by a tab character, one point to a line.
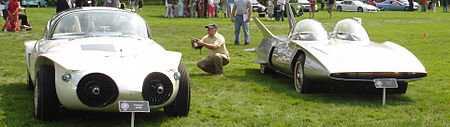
266	33
290	16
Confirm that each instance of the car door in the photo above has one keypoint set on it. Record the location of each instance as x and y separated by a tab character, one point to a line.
346	6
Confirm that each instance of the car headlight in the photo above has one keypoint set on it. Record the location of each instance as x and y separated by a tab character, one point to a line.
176	75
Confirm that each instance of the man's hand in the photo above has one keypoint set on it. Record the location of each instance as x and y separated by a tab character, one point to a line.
232	18
247	20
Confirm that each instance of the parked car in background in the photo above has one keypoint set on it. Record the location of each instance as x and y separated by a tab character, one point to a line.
38	3
394	5
358	6
406	2
257	7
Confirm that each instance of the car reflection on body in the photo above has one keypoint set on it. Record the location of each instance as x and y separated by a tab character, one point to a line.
394	5
91	58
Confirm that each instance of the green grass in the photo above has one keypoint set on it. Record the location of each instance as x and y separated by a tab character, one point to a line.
244	97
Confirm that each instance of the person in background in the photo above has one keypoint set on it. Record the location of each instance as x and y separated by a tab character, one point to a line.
322	4
312	8
132	3
180	8
201	8
62	5
170	9
270	7
241	15
193	8
444	6
216	8
229	8
218	54
225	8
210	8
140	4
12	19
330	6
2	3
280	10
423	3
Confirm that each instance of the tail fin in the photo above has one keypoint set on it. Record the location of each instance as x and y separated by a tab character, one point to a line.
290	16
266	33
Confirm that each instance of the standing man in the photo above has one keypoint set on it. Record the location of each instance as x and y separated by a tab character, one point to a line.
193	8
230	4
62	5
270	7
241	15
312	8
225	8
424	4
218	54
280	11
132	3
216	8
330	6
444	6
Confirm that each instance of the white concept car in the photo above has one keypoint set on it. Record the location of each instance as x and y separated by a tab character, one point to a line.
91	58
345	56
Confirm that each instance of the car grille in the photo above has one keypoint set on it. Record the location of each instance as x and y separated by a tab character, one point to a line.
97	90
373	75
157	88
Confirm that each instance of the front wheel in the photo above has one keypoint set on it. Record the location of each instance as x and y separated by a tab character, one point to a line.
45	100
180	106
339	8
300	83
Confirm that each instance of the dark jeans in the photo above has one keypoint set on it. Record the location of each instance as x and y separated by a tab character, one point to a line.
280	14
24	19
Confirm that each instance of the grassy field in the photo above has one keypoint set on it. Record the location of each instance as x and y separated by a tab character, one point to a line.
244	97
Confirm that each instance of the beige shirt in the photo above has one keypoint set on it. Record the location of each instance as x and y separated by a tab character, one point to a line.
218	40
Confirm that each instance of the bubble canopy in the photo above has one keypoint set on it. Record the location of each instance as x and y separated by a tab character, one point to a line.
309	30
351	30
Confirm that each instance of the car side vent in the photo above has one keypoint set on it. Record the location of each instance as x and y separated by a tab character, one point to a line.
97	90
157	88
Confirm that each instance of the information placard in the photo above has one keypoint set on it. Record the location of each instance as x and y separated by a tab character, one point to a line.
134	106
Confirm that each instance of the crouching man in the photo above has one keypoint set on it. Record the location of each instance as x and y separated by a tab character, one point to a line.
218	54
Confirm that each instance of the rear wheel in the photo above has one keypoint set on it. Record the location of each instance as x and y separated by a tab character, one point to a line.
45	100
339	8
300	83
360	9
180	106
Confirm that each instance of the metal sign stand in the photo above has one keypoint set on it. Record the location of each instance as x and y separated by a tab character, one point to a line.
134	106
385	83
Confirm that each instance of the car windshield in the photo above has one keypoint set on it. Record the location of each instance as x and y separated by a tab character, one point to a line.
303	1
358	2
309	30
351	30
100	23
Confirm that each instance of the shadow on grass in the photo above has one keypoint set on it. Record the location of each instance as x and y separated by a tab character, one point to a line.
16	109
341	94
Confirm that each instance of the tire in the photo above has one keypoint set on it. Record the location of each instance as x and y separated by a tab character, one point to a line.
264	69
406	9
402	87
29	82
45	100
300	83
360	9
180	106
339	8
381	8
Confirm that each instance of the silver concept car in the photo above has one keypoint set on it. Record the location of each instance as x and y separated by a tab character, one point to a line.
91	58
346	55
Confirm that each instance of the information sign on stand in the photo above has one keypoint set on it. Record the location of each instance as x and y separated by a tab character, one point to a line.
133	106
385	83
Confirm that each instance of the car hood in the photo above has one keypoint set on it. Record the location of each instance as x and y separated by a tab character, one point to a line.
345	56
105	52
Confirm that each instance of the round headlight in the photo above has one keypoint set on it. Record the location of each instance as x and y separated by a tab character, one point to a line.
176	75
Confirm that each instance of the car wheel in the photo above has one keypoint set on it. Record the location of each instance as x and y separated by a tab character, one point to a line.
180	106
406	9
264	69
45	100
29	82
402	87
360	9
381	8
339	8
300	83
